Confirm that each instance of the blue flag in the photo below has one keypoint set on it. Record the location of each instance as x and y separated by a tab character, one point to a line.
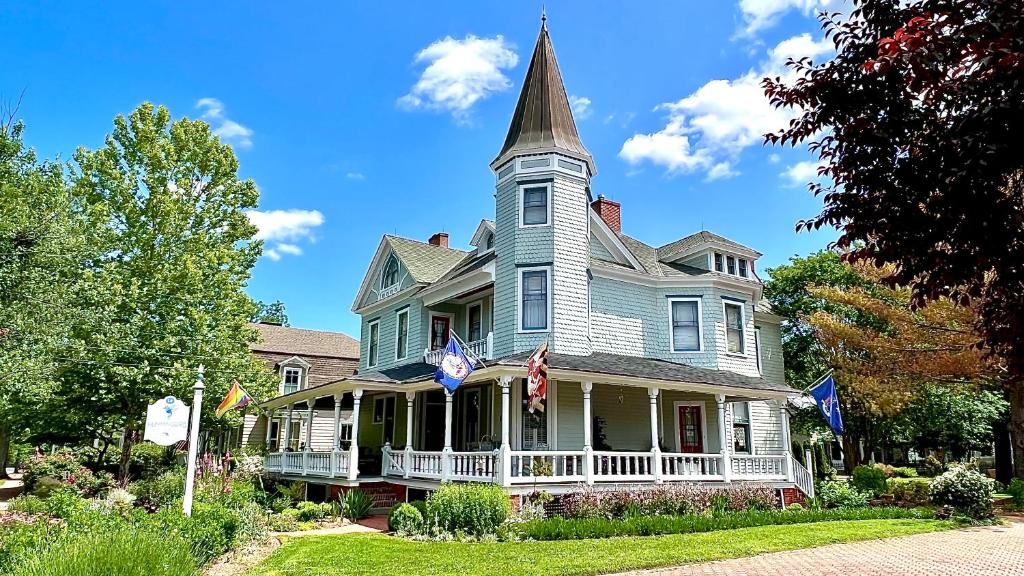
827	399
454	367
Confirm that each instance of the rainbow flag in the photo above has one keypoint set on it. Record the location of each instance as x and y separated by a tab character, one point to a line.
236	398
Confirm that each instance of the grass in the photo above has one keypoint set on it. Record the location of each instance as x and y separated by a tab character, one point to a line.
376	554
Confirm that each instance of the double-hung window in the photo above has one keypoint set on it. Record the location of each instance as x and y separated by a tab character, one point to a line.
475	322
734	327
743	268
291	379
731	264
535	205
373	348
685	335
533	299
718	262
741	440
401	334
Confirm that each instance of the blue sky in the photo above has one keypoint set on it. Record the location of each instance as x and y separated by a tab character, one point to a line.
357	120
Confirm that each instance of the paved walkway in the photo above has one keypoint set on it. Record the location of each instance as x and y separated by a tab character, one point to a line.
983	551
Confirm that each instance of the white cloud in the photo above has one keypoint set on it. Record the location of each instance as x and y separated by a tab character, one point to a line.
229	131
282	229
355	176
760	15
801	172
580	106
774	158
460	73
707	130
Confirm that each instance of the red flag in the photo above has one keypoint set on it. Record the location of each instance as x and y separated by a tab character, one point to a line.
537	377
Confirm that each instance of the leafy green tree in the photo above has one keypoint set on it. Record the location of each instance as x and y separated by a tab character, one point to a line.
953	421
167	291
273	313
42	242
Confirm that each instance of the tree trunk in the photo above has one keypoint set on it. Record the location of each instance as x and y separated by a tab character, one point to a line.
1016	393
5	448
851	453
126	452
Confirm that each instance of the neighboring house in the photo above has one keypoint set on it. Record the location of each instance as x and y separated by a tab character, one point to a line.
665	365
302	360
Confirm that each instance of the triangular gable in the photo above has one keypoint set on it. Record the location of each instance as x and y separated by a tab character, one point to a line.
486	226
370	286
611	242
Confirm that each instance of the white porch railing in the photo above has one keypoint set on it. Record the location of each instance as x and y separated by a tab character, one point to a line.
473	466
623	466
477	348
428	465
326	464
750	467
802	477
546	466
683	466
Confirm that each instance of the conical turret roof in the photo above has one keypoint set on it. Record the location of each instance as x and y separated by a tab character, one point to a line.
543	120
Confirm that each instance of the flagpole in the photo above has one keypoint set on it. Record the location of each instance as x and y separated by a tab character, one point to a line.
465	347
818	381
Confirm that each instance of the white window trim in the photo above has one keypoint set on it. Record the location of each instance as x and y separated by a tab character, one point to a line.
369	341
757	350
522	204
743	326
703	422
478	304
398	314
284	374
430	327
750	427
700	325
519	300
390	289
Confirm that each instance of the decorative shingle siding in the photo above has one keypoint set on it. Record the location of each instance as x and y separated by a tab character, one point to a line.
405	280
571	261
505	222
714	313
772	362
698	261
597	250
388	325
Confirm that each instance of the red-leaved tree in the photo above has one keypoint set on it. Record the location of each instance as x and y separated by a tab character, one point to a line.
918	124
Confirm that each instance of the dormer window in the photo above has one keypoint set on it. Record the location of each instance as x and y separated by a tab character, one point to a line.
389	277
290	379
490	241
718	262
743	268
732	265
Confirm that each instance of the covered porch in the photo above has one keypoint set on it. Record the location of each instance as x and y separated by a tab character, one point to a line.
597	428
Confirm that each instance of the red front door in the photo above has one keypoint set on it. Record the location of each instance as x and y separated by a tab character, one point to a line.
439	327
691	430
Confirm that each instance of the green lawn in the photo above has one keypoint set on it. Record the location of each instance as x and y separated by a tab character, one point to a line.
373	554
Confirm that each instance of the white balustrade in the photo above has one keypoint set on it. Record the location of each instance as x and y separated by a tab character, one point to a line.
473	466
272	462
623	466
803	478
292	463
317	463
475	349
394	462
684	466
750	467
426	465
540	466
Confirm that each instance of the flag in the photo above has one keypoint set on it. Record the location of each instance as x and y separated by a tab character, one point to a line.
236	398
454	367
537	377
827	399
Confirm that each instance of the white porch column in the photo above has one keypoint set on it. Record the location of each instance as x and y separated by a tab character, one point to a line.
286	441
652	395
353	453
309	425
410	397
336	444
446	456
270	421
505	450
723	440
588	433
787	445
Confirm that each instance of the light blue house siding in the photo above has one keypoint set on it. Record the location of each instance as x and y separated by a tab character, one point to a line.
387	317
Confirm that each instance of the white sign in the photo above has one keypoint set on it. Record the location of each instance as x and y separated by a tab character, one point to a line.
167	421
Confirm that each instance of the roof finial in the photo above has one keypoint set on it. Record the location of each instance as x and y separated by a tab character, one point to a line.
543	17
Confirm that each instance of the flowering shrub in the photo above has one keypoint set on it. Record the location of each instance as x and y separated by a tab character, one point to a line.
667	499
968	491
474	509
839	494
909	490
43	473
248	467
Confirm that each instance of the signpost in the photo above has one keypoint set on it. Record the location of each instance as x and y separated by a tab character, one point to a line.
167	421
193	441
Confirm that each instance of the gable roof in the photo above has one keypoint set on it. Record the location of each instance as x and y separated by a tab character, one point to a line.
543	119
425	262
300	341
695	241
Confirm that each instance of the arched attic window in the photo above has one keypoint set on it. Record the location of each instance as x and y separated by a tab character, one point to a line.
389	276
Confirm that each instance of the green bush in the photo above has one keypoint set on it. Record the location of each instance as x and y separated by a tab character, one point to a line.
404	518
283	522
421	505
356	504
933	466
869	479
311	511
839	494
122	553
1016	491
43	474
211	531
558	528
24	536
795	507
909	490
969	492
148	459
160	490
904	472
475	509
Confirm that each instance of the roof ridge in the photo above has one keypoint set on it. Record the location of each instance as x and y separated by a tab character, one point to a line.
407	239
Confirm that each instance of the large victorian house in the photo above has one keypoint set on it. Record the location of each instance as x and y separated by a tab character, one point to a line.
665	363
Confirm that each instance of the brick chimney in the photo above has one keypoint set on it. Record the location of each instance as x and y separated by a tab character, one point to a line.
609	211
439	239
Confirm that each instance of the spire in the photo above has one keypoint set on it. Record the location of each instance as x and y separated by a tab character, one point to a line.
543	120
